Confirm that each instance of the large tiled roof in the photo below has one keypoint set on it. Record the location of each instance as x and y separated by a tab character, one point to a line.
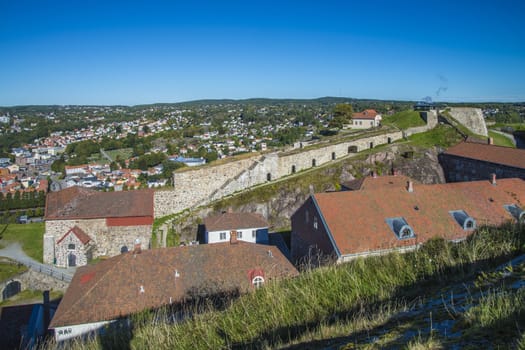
356	219
77	202
370	182
232	221
112	288
513	157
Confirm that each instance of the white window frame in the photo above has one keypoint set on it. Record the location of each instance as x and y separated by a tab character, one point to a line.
258	281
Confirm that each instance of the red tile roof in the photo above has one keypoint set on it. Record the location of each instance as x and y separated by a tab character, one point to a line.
82	203
356	219
129	283
77	231
366	114
508	156
232	221
371	183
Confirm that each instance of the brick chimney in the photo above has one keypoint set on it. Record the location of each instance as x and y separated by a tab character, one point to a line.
394	172
493	179
491	141
410	186
233	237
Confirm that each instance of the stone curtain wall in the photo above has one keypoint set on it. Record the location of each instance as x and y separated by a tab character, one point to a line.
203	185
472	118
107	241
430	117
33	280
458	169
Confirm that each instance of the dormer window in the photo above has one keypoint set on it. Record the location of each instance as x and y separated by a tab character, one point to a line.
516	212
400	227
258	281
463	219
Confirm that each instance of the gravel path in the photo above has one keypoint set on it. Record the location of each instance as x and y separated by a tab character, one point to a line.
14	251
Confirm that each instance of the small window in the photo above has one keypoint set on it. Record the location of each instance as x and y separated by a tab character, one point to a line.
333	155
239	234
269	177
463	219
400	227
254	233
258	281
123	249
315	222
71	246
293	169
516	212
313	162
222	236
371	145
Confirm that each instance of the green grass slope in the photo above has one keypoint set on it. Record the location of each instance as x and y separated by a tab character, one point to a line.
404	120
30	237
394	300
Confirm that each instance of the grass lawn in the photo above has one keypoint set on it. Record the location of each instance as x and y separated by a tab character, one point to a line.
441	135
404	120
124	153
29	296
30	237
9	268
501	140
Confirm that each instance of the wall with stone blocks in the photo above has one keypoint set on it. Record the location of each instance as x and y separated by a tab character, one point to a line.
203	185
107	240
463	169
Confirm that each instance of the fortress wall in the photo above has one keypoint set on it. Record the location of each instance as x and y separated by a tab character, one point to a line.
203	185
472	118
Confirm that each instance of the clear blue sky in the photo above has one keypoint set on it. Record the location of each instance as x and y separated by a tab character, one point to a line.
134	52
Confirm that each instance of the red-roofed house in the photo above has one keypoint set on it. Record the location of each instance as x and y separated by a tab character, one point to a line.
82	224
368	118
348	224
469	161
129	283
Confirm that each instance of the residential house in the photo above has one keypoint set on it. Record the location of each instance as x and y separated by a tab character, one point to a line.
144	280
368	118
469	161
248	227
95	224
347	224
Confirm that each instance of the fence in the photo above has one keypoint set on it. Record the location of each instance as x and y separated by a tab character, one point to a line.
47	270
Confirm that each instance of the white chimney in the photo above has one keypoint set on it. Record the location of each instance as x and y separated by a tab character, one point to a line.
410	186
493	179
491	141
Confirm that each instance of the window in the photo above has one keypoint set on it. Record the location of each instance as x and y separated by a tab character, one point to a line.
400	227
313	162
306	216
293	169
516	212
315	222
254	233
71	246
258	281
333	155
222	236
463	219
239	234
269	177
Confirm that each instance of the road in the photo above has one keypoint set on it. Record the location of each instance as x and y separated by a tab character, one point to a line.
14	251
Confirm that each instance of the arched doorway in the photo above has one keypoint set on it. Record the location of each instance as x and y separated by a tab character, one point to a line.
71	260
11	289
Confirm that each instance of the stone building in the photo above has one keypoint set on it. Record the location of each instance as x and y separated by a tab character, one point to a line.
471	161
82	224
